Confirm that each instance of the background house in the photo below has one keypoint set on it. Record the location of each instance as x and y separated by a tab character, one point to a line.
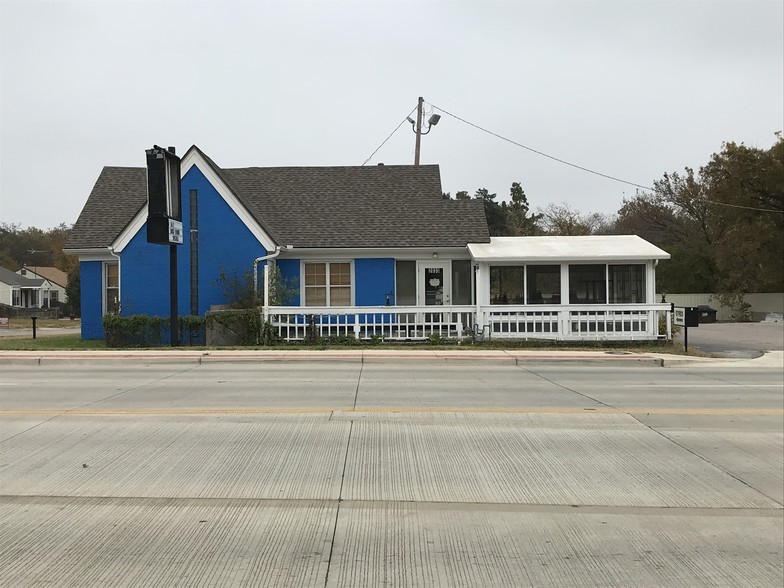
53	293
19	293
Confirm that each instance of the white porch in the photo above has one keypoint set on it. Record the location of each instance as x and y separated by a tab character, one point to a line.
556	288
634	322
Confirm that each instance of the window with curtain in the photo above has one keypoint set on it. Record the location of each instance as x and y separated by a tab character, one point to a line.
405	283
587	284
626	283
112	288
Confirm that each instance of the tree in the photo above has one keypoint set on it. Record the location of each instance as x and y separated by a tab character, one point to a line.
562	219
494	213
723	224
518	220
73	291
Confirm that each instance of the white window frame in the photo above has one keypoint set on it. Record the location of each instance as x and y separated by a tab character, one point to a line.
327	263
105	285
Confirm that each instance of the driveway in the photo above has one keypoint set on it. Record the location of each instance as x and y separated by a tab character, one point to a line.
735	339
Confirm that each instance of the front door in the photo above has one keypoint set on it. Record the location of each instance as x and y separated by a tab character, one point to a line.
435	283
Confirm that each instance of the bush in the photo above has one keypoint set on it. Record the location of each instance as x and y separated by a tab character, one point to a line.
236	326
141	330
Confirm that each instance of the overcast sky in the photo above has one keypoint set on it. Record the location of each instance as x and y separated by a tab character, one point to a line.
629	88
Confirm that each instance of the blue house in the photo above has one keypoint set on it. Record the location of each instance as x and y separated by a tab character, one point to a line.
369	251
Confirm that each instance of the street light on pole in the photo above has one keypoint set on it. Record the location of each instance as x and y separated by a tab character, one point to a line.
416	126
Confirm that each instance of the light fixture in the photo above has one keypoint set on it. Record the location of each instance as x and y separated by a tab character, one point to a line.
435	254
433	120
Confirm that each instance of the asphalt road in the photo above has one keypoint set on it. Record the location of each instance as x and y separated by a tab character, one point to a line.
735	339
350	472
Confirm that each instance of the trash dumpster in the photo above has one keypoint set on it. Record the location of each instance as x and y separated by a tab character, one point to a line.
706	313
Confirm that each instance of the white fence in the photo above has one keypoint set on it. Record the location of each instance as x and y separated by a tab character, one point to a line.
402	323
397	323
577	322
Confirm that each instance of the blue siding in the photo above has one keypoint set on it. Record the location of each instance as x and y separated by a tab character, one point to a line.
289	272
144	277
225	243
375	278
90	273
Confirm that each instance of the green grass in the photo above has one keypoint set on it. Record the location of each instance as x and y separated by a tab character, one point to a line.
50	343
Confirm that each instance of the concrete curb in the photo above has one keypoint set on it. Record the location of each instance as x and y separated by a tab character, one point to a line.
496	357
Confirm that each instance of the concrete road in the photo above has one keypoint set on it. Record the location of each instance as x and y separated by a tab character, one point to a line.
393	472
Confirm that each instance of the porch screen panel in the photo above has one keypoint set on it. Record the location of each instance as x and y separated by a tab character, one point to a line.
626	283
587	284
340	284
506	284
544	284
461	282
405	283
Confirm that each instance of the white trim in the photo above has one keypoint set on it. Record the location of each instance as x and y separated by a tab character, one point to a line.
97	254
400	253
194	158
130	231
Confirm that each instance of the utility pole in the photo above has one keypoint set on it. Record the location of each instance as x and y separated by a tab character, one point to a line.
418	130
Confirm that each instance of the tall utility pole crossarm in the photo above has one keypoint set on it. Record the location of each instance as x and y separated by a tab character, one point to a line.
418	130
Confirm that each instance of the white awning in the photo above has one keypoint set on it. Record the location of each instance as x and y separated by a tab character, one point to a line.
605	248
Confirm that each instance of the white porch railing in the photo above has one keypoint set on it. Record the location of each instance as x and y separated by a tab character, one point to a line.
576	322
401	323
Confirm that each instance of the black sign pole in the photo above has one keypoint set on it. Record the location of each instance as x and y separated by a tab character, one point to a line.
685	339
175	338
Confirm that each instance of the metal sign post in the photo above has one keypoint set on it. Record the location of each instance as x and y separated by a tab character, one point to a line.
164	217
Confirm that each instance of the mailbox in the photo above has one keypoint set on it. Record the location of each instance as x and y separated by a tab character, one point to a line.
687	316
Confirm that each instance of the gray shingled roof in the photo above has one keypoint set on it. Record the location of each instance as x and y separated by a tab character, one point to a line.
14	279
118	194
319	207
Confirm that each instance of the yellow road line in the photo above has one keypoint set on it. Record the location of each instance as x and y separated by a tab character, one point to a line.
213	411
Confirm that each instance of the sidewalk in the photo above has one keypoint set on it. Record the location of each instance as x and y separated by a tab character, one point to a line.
770	359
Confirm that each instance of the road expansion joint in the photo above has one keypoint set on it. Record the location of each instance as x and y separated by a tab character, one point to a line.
573	391
431	505
706	460
340	497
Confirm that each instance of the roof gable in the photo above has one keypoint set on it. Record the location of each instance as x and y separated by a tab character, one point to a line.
306	207
14	279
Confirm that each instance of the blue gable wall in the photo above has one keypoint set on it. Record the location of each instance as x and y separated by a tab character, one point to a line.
91	292
144	277
225	243
375	278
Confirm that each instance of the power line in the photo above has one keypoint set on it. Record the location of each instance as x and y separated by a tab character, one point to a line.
706	201
585	169
390	136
